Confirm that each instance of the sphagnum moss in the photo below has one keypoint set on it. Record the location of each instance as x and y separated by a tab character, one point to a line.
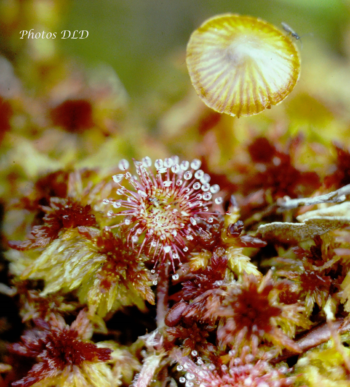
161	274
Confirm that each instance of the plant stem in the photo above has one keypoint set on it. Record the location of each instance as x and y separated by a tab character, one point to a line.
162	294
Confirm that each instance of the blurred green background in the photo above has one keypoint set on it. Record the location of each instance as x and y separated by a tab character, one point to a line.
144	41
139	37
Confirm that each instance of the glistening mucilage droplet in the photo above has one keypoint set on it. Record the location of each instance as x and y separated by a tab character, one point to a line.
165	204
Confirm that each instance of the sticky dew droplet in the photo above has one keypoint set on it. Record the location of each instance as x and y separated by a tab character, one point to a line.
168	163
218	200
147	161
205	179
176	159
158	163
199	174
207	196
118	178
188	175
123	165
214	189
175	168
184	165
196	164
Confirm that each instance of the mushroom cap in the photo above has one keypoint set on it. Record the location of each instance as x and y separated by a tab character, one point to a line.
241	65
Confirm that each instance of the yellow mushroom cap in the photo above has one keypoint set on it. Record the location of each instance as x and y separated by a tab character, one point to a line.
241	65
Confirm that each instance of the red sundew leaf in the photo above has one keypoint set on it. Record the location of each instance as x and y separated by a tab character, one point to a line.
166	206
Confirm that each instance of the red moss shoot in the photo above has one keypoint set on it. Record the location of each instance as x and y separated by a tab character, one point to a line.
62	213
57	348
73	115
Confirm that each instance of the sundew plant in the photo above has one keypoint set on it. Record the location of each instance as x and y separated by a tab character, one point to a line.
196	241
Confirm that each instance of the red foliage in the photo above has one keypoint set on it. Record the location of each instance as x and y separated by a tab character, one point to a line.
235	230
208	279
279	176
248	308
62	213
261	150
73	115
5	116
314	255
312	281
288	297
189	338
208	121
55	347
341	175
53	184
121	264
250	314
36	306
201	290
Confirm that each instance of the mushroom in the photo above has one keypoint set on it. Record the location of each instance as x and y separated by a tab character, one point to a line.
241	65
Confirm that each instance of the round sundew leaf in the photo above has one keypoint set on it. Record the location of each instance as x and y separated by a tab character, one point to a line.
241	65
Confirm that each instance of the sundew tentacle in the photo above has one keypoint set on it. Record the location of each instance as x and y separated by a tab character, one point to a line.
162	210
